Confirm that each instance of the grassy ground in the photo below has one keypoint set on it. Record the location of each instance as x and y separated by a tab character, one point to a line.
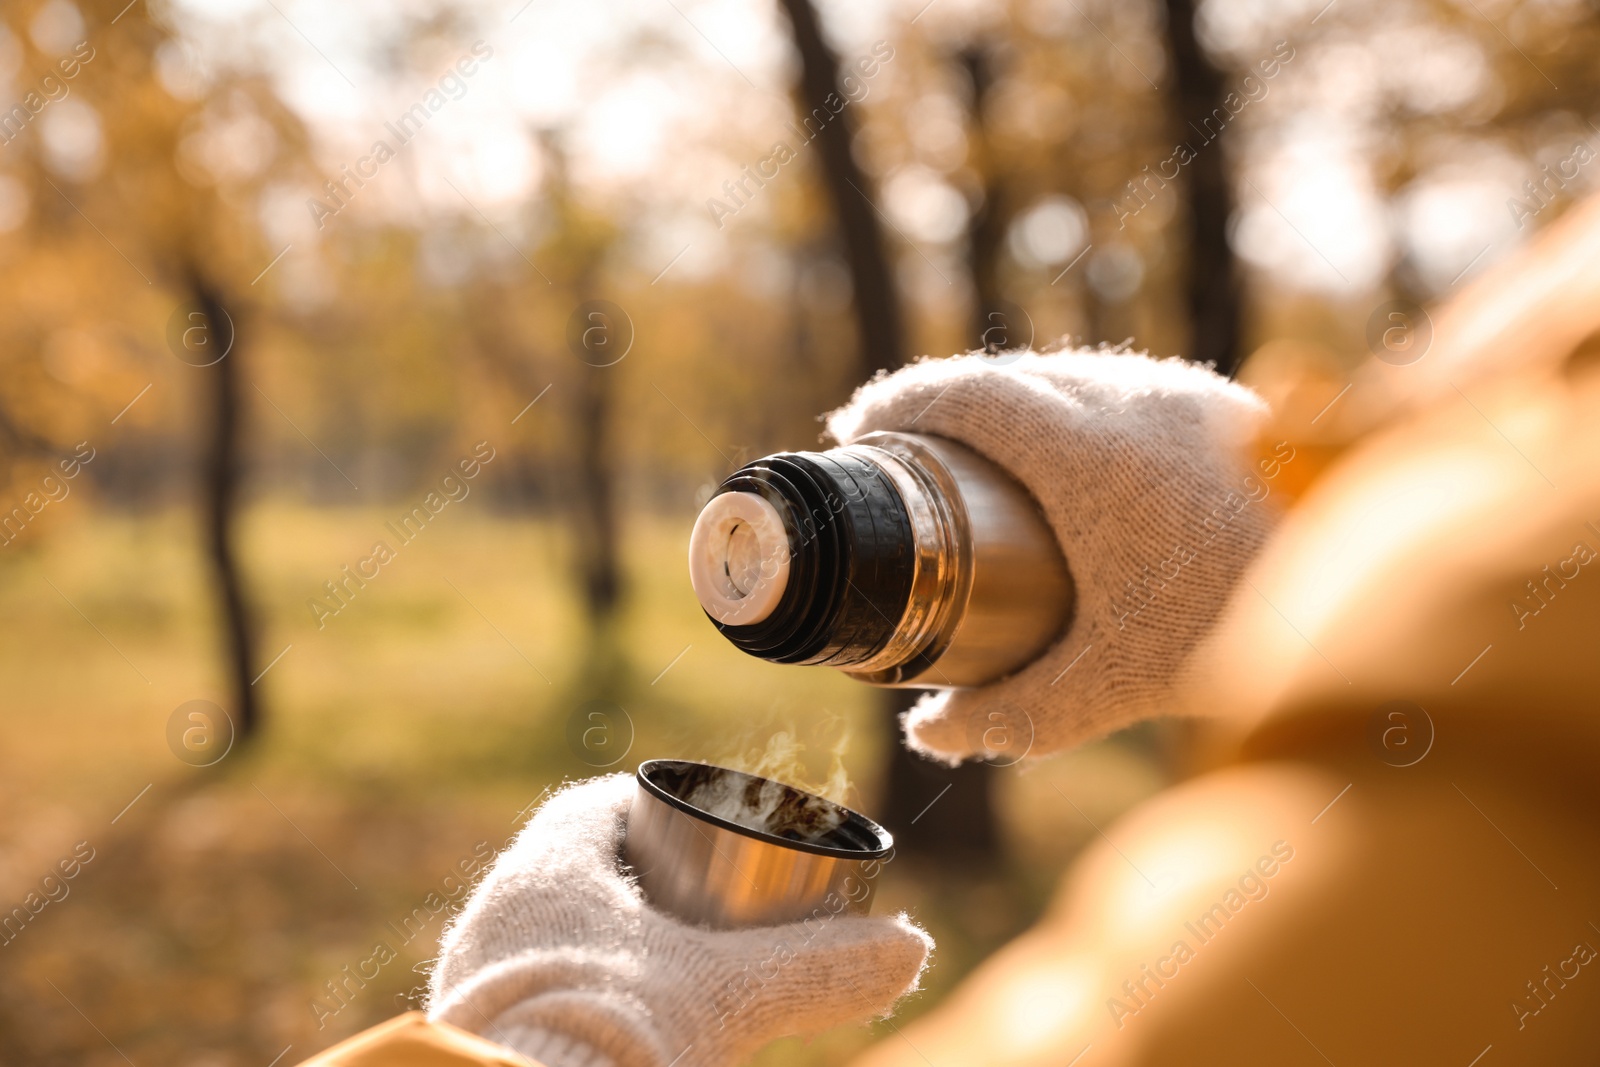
418	722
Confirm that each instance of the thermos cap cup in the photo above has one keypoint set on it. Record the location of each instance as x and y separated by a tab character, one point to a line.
721	848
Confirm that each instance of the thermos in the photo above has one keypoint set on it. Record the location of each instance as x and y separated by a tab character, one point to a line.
901	559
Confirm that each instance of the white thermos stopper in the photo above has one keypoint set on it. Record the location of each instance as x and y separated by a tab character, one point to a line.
739	558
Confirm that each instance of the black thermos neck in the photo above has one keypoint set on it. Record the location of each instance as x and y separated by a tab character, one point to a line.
852	558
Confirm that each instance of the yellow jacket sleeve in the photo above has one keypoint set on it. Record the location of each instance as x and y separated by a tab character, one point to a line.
410	1040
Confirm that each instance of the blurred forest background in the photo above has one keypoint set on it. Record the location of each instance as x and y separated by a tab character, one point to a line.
608	252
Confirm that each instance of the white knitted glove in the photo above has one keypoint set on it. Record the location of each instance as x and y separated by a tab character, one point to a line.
1140	468
557	955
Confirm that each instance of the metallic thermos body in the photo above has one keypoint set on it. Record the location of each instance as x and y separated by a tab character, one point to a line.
902	560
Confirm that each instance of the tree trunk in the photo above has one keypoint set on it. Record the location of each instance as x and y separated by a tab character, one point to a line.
219	492
961	825
596	497
987	224
880	328
1212	286
939	813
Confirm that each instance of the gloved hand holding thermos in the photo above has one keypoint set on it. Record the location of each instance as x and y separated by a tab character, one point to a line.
1047	539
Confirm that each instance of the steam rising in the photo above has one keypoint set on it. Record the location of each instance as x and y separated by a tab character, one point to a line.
782	759
803	812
